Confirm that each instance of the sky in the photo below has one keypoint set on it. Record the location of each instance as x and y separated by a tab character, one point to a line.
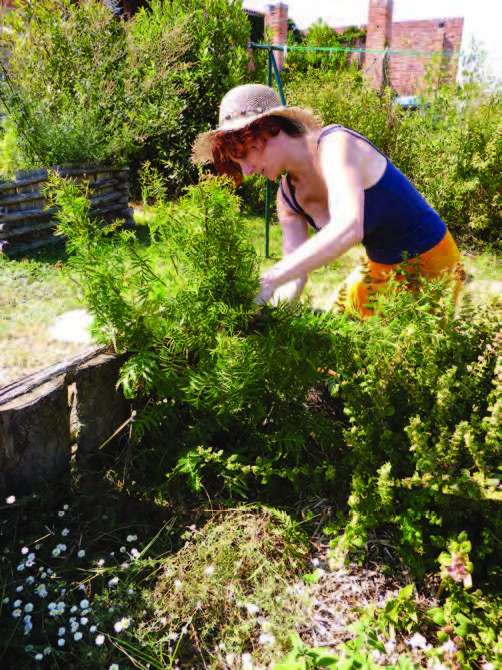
482	18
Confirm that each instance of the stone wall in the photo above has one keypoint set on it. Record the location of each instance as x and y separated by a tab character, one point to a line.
65	411
26	223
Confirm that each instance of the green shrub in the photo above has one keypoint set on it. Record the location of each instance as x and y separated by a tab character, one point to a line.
83	85
344	97
216	61
408	438
301	62
452	151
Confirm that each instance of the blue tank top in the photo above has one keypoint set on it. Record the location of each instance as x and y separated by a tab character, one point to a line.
398	222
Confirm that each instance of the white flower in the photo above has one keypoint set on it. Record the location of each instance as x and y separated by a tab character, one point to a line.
113	666
449	647
251	609
30	580
84	620
121	625
61	631
178	584
83	604
78	636
61	513
209	571
41	591
122	550
131	538
247	662
47	651
100	563
39	657
66	508
74	626
28	607
130	592
81	553
10	500
99	639
417	641
113	581
65	532
266	639
73	609
19	589
61	642
28	627
93	629
56	552
17	603
20	567
5	601
134	552
16	613
24	551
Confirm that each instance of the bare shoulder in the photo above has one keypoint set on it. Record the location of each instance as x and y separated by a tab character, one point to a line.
343	152
341	145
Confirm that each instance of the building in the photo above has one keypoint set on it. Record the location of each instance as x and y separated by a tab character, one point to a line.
416	42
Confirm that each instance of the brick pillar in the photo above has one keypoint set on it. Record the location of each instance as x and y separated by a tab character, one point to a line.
276	21
378	36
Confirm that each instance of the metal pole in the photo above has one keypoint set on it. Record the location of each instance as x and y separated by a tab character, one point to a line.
268	185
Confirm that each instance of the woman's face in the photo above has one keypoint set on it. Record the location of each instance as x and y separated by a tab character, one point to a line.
261	158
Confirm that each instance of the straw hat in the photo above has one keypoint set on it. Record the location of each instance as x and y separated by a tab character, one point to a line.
241	106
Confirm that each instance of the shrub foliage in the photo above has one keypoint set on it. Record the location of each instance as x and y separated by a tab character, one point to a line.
81	84
407	436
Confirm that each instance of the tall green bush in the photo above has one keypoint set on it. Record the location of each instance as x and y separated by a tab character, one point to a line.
345	97
452	150
302	61
216	61
408	436
80	84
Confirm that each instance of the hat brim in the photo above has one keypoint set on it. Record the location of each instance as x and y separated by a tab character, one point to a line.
202	147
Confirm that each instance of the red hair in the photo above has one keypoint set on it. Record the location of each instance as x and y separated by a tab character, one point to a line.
236	144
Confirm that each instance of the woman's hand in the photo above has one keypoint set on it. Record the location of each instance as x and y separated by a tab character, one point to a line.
267	288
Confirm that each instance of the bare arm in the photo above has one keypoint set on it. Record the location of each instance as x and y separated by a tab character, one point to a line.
294	234
343	178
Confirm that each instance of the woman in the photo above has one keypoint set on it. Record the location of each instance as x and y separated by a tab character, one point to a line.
335	182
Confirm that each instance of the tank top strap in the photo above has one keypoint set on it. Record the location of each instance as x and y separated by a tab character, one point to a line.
336	127
293	202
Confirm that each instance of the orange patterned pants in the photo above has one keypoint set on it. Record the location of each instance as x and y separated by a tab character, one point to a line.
367	280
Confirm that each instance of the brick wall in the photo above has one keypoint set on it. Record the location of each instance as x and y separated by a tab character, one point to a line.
276	21
407	71
378	36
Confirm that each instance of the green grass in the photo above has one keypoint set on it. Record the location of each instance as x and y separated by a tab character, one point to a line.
34	291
